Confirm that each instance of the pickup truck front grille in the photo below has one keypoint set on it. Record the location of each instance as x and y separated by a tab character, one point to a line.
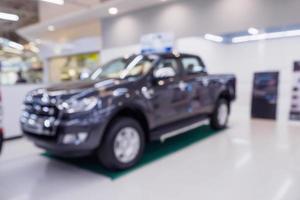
42	110
39	118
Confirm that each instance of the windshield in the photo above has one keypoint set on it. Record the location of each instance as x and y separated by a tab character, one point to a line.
122	68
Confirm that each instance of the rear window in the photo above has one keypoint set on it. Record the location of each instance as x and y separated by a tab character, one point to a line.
192	65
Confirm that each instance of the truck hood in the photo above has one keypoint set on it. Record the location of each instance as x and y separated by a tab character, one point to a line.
65	91
81	86
70	86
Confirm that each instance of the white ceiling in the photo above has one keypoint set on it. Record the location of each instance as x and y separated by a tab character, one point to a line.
26	10
92	12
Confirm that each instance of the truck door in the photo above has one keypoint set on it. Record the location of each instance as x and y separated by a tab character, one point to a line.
169	101
195	76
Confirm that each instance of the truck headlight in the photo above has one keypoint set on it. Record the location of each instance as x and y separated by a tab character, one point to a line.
80	105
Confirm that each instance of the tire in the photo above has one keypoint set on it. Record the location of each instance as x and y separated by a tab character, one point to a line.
219	118
124	136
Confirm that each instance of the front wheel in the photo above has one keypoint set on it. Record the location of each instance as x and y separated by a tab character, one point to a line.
219	119
123	144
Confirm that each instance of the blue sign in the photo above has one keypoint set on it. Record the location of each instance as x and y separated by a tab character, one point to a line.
157	43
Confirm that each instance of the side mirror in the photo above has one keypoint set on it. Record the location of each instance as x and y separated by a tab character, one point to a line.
164	73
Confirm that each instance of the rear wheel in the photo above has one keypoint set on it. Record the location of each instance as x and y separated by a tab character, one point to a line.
219	119
123	144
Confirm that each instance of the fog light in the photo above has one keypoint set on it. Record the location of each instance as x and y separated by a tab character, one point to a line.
69	139
82	137
75	138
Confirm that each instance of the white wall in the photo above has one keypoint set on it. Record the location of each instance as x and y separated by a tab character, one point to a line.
272	55
194	45
242	60
109	54
12	99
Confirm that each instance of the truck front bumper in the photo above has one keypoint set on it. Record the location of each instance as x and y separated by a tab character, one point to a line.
70	138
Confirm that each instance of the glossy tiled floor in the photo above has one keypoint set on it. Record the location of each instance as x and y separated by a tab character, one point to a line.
252	160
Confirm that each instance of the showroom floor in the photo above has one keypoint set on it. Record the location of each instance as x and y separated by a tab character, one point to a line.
253	159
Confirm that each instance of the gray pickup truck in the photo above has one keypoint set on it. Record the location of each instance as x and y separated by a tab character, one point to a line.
126	104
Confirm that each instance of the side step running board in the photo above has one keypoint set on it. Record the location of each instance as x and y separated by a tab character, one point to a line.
183	130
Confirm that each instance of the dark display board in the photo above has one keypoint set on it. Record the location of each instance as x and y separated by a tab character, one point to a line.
265	95
1	115
295	103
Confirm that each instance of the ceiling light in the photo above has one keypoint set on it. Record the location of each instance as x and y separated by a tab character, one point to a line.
8	16
214	38
266	36
51	28
253	31
58	2
113	11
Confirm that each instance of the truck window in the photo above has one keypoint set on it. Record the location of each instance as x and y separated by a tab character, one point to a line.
124	68
192	65
168	63
141	68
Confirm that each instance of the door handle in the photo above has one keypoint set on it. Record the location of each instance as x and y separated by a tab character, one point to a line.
204	82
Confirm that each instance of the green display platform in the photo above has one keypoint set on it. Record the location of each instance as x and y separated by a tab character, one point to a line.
153	152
